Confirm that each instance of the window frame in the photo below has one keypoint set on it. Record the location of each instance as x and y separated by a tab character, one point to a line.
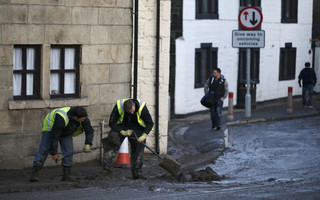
24	71
287	65
256	3
254	66
200	69
62	71
212	14
293	12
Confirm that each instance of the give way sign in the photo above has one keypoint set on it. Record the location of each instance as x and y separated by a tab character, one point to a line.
250	18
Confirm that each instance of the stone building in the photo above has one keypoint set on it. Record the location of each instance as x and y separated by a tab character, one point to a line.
56	53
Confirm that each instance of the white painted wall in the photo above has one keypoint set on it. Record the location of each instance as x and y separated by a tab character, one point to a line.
218	32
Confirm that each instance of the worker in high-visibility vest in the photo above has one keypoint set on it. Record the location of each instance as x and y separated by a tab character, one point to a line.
129	118
61	125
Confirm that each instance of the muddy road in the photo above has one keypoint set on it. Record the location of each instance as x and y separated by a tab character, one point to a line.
271	160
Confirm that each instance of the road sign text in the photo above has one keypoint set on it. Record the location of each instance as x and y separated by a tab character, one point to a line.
248	39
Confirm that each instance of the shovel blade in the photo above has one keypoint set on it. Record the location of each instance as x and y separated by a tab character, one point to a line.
170	165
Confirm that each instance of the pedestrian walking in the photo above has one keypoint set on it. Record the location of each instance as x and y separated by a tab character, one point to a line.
61	125
129	118
309	80
219	86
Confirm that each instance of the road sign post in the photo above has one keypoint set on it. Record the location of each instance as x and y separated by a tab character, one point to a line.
250	18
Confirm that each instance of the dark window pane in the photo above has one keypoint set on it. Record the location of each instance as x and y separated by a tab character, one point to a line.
197	65
289	11
207	9
256	3
254	66
287	66
205	61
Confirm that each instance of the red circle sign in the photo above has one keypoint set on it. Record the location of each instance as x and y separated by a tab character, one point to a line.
250	18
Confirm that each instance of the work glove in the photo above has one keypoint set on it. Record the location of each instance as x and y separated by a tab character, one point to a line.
87	148
55	158
126	133
142	138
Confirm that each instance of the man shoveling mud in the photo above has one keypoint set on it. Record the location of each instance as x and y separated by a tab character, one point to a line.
61	125
128	116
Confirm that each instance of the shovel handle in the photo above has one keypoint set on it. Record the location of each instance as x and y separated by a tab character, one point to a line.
155	153
75	152
149	148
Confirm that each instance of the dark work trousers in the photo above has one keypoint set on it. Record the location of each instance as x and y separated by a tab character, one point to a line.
305	88
216	113
111	146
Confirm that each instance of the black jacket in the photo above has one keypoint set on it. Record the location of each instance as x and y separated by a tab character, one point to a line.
308	76
218	87
131	121
59	130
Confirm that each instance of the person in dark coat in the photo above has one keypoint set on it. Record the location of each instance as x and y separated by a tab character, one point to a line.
129	118
309	80
219	86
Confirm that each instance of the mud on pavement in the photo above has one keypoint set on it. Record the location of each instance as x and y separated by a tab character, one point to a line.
88	174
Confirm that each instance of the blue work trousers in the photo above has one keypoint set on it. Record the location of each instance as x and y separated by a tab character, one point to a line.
216	113
306	87
66	144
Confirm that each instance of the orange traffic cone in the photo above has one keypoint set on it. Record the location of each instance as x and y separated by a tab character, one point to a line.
123	155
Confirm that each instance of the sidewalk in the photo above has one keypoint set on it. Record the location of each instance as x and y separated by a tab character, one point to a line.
196	129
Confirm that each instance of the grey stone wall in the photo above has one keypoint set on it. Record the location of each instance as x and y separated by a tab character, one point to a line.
103	29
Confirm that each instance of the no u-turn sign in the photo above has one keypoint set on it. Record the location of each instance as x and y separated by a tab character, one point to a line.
250	18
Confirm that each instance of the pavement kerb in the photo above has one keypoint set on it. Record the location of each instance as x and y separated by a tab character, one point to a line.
238	122
173	137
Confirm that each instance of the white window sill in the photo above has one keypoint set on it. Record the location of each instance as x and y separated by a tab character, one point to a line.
56	103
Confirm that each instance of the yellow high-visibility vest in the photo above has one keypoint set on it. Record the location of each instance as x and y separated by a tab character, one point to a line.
49	120
121	111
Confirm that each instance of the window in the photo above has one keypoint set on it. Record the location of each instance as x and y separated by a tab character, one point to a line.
287	68
256	3
207	9
64	71
289	11
26	72
206	59
254	65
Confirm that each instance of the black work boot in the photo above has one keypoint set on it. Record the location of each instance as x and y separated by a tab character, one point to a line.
66	174
34	174
137	174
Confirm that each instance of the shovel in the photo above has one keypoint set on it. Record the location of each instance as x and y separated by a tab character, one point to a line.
75	152
167	163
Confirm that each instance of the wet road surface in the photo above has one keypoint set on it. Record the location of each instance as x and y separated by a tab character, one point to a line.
269	160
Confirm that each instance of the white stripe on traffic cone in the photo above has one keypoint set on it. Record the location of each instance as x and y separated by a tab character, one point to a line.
123	159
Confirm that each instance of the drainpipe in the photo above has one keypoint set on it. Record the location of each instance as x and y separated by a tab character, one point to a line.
157	77
135	50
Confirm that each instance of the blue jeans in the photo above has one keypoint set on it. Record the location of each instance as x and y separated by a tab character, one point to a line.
216	113
66	144
306	87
